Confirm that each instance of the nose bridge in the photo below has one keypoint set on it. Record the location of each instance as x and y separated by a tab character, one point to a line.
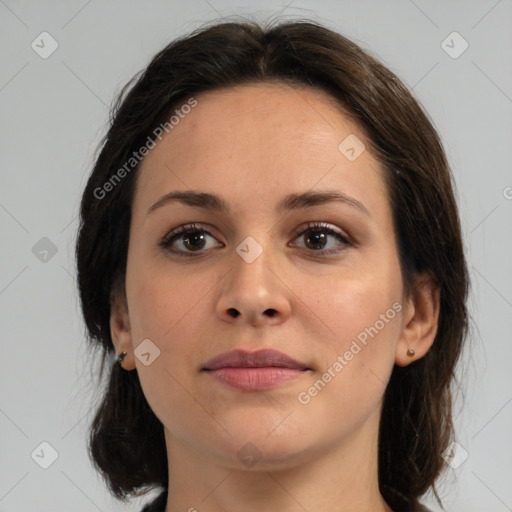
252	290
251	259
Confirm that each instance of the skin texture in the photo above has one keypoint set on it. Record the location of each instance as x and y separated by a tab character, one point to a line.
252	145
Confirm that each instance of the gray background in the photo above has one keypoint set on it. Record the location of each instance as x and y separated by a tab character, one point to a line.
53	113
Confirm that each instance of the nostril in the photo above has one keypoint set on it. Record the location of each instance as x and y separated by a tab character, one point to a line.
233	312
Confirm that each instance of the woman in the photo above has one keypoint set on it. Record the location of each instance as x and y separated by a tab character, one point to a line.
270	260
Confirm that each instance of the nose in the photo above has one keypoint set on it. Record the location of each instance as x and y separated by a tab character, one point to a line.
255	292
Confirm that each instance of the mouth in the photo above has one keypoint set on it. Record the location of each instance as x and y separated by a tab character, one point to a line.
254	371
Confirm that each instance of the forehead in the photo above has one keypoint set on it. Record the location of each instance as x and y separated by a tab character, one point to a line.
259	141
253	114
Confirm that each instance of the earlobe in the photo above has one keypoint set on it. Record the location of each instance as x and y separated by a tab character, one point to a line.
421	316
120	331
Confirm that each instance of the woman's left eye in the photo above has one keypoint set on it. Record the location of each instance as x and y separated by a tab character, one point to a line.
193	240
318	233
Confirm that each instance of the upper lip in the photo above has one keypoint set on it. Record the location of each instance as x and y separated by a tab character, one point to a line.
260	359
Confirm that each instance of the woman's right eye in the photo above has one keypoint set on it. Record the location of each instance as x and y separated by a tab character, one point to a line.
191	237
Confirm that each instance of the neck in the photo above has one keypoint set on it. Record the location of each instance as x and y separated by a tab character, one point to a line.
341	478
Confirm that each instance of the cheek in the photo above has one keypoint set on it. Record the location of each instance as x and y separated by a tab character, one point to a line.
161	301
357	360
348	306
360	326
164	309
169	309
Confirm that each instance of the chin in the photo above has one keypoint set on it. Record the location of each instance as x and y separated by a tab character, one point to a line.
261	446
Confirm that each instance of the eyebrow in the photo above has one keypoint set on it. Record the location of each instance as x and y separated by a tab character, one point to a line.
290	202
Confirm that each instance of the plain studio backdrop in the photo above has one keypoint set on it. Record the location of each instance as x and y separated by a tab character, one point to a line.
455	56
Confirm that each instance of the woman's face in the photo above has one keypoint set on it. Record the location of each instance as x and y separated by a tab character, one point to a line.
259	149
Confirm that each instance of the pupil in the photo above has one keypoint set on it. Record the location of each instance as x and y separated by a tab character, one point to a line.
196	237
318	235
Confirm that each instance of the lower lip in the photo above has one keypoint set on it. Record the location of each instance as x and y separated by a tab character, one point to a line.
255	379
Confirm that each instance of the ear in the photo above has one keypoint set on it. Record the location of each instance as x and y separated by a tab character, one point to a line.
120	329
421	315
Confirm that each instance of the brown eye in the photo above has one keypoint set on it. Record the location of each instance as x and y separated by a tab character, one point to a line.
191	237
194	240
316	239
316	236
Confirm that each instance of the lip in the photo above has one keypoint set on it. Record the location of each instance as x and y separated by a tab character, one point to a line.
264	358
254	371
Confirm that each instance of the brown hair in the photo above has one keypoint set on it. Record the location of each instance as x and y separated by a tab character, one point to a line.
126	440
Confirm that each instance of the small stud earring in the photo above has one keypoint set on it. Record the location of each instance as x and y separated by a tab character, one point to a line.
410	352
120	359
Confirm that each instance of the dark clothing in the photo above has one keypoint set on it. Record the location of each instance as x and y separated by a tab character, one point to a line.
417	508
158	505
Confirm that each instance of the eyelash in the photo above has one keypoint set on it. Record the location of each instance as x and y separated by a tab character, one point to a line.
170	237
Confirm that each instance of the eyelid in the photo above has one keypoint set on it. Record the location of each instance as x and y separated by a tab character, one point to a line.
181	230
345	241
318	226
